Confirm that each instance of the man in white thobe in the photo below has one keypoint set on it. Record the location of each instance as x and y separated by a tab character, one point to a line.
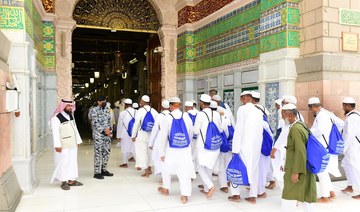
206	158
224	157
264	165
154	142
247	142
321	129
66	140
351	135
141	137
192	113
122	134
177	159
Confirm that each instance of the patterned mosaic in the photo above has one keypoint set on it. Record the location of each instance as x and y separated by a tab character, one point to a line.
349	17
49	5
258	27
11	18
229	98
125	14
272	93
191	14
49	45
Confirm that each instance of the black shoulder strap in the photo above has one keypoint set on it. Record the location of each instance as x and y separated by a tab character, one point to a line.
62	118
354	113
206	115
261	110
130	114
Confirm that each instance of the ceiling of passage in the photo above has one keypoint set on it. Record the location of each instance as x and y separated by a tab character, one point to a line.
128	15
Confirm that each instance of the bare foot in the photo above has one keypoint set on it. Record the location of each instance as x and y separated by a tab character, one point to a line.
234	198
251	200
348	189
204	192
271	185
211	192
123	165
332	195
146	174
323	200
163	191
184	199
263	195
224	189
356	197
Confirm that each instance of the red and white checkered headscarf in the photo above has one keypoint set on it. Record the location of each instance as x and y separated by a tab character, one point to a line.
62	106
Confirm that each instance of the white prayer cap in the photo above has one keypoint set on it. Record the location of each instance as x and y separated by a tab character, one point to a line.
128	101
289	106
216	98
145	98
290	99
175	99
189	104
165	103
313	100
349	100
205	98
213	104
135	105
245	93
255	94
117	104
278	101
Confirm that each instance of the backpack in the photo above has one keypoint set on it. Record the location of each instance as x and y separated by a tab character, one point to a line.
148	122
267	141
336	141
227	140
236	172
130	125
316	154
179	137
192	117
213	136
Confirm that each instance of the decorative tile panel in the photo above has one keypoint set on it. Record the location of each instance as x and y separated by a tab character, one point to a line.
229	98
12	18
13	3
349	17
272	93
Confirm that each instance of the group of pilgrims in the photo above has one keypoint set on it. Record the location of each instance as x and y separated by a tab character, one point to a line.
187	142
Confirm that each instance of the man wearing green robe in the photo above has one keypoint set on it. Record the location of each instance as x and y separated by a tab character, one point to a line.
299	182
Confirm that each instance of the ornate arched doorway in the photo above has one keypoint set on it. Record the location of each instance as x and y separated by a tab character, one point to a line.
166	30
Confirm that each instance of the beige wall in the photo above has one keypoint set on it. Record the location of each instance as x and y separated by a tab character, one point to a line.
324	69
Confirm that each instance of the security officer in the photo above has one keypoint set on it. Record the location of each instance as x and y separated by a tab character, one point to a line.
102	133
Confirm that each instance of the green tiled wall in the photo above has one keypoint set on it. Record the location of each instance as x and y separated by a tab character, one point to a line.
238	36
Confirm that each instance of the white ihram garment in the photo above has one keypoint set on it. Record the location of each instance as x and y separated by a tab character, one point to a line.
127	145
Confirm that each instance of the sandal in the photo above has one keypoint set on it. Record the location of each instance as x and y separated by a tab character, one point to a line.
75	183
65	186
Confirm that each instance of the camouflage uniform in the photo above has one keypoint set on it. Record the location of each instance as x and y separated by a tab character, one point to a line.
101	119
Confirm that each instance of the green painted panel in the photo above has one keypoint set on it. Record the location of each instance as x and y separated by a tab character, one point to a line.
229	24
12	18
294	39
350	17
293	16
273	42
268	4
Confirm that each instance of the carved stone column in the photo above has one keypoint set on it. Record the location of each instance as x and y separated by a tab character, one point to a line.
168	36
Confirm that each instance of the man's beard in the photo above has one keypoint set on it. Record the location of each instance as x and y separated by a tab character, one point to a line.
68	112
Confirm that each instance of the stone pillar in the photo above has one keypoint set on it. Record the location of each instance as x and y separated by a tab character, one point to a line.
63	36
168	37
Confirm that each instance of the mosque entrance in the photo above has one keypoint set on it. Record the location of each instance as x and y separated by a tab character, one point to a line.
115	53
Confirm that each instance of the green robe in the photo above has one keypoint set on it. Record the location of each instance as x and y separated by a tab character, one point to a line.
305	190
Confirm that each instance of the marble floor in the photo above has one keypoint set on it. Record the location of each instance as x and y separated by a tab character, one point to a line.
127	191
